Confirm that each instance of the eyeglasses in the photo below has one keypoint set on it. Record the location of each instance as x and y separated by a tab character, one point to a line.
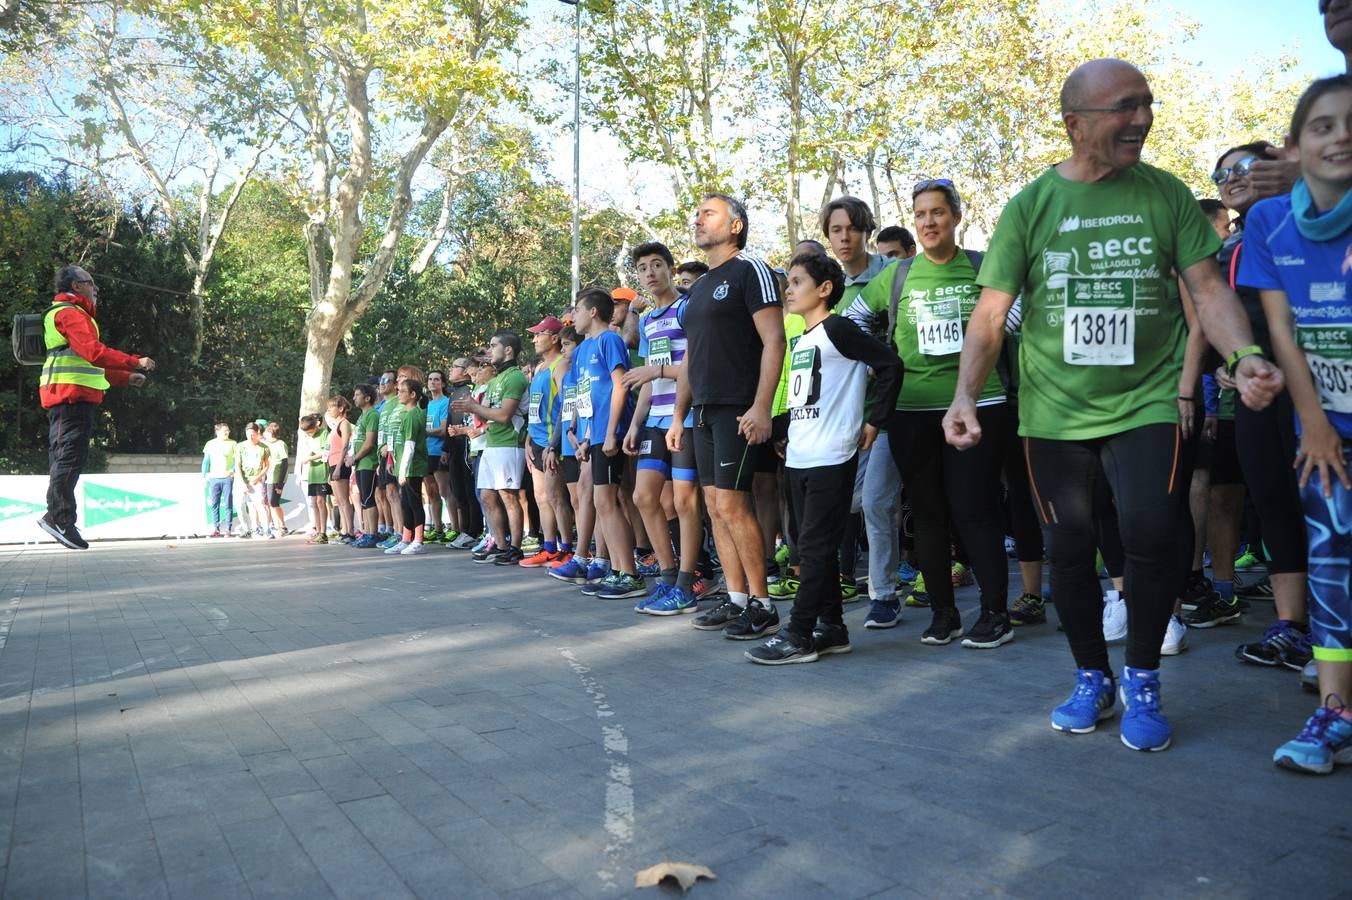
83	281
1239	169
386	380
1125	108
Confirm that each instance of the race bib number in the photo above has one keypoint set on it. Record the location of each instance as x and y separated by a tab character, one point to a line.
1100	323
584	400
1328	349
659	352
533	412
569	403
938	327
803	378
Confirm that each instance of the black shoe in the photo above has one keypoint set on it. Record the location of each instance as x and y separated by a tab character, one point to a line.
1030	609
782	649
828	639
946	625
989	632
509	557
1213	611
1260	590
67	534
1195	591
717	618
1284	643
759	617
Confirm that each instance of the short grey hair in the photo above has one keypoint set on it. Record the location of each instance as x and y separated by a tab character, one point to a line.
738	212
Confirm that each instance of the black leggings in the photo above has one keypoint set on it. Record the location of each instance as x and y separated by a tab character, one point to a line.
958	488
1141	467
1266	443
411	502
1020	517
820	498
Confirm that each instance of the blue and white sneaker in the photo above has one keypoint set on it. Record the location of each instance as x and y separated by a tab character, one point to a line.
1325	742
483	543
1143	725
653	596
573	572
597	575
1092	701
906	573
884	614
647	565
675	602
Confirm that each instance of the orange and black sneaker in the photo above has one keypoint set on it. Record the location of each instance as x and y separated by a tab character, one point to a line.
542	558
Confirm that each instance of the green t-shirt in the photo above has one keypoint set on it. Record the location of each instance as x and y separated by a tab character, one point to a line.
319	469
509	384
220	456
367	422
277	454
252	459
411	425
794	326
388	410
935	305
1103	332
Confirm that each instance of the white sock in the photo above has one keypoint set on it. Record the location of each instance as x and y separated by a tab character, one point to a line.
740	599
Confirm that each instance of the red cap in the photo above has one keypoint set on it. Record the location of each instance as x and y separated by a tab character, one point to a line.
624	294
548	323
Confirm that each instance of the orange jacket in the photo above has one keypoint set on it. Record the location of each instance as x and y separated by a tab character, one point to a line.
77	327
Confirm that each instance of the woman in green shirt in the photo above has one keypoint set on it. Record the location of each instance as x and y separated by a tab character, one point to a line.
947	488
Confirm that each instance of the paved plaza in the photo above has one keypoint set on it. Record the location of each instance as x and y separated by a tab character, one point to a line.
268	719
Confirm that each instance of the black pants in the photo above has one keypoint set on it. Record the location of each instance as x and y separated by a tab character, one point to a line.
411	502
959	490
1141	467
69	427
462	485
1266	443
820	498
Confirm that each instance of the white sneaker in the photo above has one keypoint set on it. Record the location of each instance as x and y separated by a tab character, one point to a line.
1175	637
412	549
464	542
396	549
1114	617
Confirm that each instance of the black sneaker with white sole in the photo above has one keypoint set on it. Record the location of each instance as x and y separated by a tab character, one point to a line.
989	632
783	649
760	617
1212	611
946	625
68	535
717	618
828	639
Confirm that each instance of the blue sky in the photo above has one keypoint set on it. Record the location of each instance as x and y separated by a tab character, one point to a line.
1236	30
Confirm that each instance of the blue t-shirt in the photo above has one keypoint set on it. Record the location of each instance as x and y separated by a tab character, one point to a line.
539	407
438	411
1315	278
607	353
573	379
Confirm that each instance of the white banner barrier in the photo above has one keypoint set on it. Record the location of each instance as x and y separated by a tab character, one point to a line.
124	506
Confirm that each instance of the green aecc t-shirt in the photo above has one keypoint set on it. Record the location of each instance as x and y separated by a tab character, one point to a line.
1103	328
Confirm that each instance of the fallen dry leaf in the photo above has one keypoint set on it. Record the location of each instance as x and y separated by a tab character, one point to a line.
685	874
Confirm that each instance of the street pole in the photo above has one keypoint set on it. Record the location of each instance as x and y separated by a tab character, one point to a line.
577	146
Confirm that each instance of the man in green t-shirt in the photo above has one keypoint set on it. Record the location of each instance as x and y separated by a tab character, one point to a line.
387	487
276	479
218	468
1093	245
252	463
365	460
502	466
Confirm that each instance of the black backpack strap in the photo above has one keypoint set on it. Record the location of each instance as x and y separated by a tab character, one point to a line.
898	282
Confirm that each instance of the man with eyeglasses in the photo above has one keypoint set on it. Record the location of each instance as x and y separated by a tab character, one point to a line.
1092	245
78	369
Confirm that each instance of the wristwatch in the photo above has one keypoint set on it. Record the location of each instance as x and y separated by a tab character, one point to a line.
1233	359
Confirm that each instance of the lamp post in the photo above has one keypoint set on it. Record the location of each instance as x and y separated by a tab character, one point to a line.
577	143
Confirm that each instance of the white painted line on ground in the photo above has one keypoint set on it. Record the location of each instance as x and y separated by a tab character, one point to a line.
7	620
619	822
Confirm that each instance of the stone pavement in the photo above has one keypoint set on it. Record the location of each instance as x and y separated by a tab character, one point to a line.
259	719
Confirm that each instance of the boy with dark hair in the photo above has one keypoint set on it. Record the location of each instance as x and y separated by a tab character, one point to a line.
605	360
317	474
687	273
276	479
828	374
365	460
410	467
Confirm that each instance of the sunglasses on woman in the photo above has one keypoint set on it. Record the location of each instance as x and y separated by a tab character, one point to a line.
1241	168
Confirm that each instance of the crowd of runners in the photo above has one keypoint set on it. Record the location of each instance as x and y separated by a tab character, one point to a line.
1118	387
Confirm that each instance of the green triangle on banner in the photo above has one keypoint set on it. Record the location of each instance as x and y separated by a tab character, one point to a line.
104	503
12	509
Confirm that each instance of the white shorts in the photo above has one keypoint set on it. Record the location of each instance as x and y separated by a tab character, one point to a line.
501	469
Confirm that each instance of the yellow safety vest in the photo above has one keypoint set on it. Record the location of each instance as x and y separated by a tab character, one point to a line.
64	365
